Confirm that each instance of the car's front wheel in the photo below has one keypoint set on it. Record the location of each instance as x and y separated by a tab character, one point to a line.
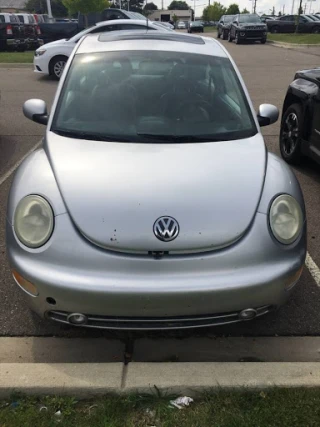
274	30
229	37
237	39
290	134
224	35
315	30
57	65
218	34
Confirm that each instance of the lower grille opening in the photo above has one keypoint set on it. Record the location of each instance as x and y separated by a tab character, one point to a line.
153	323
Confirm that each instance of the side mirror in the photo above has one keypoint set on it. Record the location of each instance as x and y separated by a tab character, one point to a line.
36	110
267	114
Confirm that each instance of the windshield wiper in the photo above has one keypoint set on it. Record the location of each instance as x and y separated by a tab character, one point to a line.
89	136
176	138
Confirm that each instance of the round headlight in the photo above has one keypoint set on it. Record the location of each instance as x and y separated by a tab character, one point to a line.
286	219
33	221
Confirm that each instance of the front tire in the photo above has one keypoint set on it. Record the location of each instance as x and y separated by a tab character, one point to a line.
263	41
56	66
274	30
218	35
223	35
229	37
290	135
315	30
237	40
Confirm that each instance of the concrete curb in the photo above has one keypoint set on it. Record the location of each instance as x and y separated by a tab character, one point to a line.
16	65
291	45
88	379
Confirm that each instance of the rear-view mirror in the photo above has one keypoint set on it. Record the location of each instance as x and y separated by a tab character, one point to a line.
267	114
36	110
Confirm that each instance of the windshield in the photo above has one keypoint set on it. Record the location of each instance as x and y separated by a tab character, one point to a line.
142	96
249	18
228	18
82	33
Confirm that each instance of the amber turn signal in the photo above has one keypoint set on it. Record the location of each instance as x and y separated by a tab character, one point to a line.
25	284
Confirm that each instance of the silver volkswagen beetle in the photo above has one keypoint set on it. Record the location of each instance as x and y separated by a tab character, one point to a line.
153	202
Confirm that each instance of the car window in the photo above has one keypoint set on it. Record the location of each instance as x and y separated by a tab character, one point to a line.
228	18
128	26
144	96
302	19
20	18
249	18
114	14
31	19
102	29
2	20
12	19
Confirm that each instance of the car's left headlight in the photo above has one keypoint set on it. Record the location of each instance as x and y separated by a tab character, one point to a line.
286	219
40	52
33	221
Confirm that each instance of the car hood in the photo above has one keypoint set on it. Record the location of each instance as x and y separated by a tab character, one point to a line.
56	43
114	192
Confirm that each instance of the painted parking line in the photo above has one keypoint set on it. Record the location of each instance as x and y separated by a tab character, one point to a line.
313	269
16	165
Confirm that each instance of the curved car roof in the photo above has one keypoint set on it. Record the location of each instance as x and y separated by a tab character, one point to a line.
145	40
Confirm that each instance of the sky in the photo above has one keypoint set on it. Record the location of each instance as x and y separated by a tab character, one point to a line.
263	6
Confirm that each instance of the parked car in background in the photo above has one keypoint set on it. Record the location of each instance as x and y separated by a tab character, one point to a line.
181	25
165	24
266	18
288	24
247	27
224	26
39	18
195	27
32	29
51	58
300	124
12	36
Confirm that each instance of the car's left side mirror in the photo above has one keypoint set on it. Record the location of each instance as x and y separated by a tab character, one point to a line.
267	114
36	110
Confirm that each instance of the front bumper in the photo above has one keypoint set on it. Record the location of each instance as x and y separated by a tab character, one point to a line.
252	35
82	278
40	64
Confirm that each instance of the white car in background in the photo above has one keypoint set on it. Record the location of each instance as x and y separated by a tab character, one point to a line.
52	57
181	25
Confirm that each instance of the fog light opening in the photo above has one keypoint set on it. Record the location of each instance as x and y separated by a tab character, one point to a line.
242	34
77	319
51	301
248	314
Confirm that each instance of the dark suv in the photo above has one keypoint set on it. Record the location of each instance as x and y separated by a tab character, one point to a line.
11	33
288	24
224	26
247	27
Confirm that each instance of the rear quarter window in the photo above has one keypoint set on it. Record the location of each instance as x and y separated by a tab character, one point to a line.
21	18
2	20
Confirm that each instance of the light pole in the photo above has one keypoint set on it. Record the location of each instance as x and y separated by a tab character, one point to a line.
49	10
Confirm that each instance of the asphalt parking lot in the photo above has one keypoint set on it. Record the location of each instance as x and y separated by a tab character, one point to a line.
267	71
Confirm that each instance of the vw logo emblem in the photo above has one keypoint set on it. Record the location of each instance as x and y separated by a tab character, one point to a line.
166	228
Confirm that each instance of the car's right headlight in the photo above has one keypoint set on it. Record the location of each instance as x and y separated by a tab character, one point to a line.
286	219
40	52
33	221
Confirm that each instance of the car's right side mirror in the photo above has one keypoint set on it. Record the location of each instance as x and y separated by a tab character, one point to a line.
267	114
36	110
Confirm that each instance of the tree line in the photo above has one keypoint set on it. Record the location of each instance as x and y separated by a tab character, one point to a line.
216	10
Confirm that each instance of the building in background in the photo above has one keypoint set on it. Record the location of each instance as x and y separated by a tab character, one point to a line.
167	15
12	6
